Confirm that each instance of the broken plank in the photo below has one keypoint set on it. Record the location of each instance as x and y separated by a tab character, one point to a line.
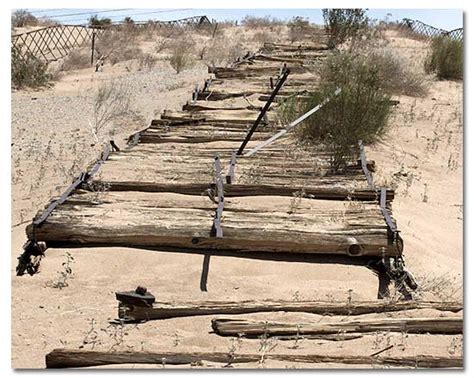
248	328
253	71
166	310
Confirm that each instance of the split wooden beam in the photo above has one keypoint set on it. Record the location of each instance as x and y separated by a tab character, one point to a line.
295	47
156	221
249	328
244	72
167	310
76	358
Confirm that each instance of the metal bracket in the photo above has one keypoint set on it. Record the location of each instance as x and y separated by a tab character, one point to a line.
36	249
140	297
216	225
363	162
230	175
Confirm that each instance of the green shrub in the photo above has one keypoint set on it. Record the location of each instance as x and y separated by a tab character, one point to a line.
22	18
96	21
446	58
344	24
359	112
27	70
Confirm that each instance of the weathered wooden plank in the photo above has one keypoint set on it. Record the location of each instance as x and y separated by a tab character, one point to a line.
153	221
213	116
297	46
248	328
221	94
166	310
239	190
75	358
243	72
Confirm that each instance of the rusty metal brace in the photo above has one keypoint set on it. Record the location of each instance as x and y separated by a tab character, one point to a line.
216	225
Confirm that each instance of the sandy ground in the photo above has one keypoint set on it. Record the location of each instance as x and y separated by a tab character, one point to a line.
422	155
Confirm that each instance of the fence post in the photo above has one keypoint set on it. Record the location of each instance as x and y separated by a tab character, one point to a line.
93	47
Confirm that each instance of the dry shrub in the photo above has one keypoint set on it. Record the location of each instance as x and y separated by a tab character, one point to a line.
77	59
182	54
27	70
127	53
446	58
299	29
223	51
167	37
146	61
111	109
262	37
253	22
397	77
117	46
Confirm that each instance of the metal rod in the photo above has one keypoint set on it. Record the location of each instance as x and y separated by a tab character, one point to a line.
230	176
93	48
264	110
293	124
383	207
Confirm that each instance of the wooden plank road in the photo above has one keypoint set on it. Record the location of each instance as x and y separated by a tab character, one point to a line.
160	193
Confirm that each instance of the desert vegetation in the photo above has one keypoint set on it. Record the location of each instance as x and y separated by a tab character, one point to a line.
341	123
27	70
446	58
345	25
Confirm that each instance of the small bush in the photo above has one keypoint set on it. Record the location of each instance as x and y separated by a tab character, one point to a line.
446	58
224	50
344	24
299	28
253	22
146	62
96	21
262	37
395	73
27	70
117	46
359	112
77	59
22	18
111	109
181	55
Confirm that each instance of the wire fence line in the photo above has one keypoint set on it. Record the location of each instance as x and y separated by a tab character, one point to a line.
56	41
430	31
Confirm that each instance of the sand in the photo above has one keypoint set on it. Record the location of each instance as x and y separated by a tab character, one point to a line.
422	155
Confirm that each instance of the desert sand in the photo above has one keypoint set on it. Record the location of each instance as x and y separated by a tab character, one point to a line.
422	156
